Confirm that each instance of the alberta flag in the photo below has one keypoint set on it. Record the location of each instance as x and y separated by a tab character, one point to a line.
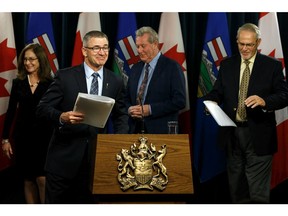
125	52
271	45
86	22
8	69
172	46
209	159
40	30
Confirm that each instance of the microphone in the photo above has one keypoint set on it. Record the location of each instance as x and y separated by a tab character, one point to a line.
142	114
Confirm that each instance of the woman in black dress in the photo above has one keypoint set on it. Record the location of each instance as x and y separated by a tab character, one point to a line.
30	136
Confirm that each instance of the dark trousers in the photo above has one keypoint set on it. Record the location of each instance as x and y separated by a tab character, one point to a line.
249	174
61	190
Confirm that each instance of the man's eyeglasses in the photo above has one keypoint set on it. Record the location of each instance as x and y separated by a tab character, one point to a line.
97	49
248	45
29	59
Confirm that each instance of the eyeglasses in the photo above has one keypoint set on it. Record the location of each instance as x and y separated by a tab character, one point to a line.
97	49
30	59
248	45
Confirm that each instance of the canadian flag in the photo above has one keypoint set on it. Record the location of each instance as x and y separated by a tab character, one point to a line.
8	68
271	45
86	22
171	45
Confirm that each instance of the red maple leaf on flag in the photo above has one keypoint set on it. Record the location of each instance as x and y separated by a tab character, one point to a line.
7	55
272	54
3	90
173	54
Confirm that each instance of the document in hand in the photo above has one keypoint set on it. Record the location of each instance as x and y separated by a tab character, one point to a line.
218	114
96	108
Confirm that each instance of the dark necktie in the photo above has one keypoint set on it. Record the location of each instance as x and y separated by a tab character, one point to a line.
94	84
243	92
143	85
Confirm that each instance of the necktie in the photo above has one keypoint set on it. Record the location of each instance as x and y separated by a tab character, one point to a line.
94	84
243	92
143	85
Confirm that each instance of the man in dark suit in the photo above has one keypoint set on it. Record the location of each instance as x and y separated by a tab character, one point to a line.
69	155
164	94
250	146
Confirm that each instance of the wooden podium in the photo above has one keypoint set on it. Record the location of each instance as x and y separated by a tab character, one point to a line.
177	162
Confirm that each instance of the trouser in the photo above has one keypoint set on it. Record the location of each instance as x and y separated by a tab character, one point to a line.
61	190
249	174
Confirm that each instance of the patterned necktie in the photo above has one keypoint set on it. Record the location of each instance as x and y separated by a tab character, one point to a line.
94	84
143	85
241	110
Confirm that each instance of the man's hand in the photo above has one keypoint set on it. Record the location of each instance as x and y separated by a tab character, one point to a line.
72	117
136	111
254	101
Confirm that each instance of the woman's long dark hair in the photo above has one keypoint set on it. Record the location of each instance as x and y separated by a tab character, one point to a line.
44	72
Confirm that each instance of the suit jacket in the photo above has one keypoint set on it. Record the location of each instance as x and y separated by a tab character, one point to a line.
69	142
266	81
165	94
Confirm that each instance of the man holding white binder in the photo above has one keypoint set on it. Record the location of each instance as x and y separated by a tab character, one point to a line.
250	86
69	155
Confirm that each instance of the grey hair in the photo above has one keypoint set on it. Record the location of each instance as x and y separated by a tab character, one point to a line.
153	35
93	34
249	27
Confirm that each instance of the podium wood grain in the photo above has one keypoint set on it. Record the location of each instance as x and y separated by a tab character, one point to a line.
177	161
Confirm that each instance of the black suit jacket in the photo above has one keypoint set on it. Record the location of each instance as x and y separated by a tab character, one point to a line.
266	81
165	94
69	142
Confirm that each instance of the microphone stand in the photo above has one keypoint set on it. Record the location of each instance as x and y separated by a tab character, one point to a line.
142	114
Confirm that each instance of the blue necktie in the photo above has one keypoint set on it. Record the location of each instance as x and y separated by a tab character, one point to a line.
94	84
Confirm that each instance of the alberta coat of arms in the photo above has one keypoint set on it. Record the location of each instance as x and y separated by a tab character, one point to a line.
142	167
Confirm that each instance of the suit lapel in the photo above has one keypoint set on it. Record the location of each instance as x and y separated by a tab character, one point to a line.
81	79
156	75
254	74
237	68
135	76
106	83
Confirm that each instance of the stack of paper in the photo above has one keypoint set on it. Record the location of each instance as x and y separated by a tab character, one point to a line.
220	117
96	108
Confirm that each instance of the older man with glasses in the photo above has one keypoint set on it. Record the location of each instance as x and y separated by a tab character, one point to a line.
250	86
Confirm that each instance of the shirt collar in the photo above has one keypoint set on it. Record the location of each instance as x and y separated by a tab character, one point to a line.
155	60
89	71
251	60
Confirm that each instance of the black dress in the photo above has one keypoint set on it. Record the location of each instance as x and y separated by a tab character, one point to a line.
30	135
